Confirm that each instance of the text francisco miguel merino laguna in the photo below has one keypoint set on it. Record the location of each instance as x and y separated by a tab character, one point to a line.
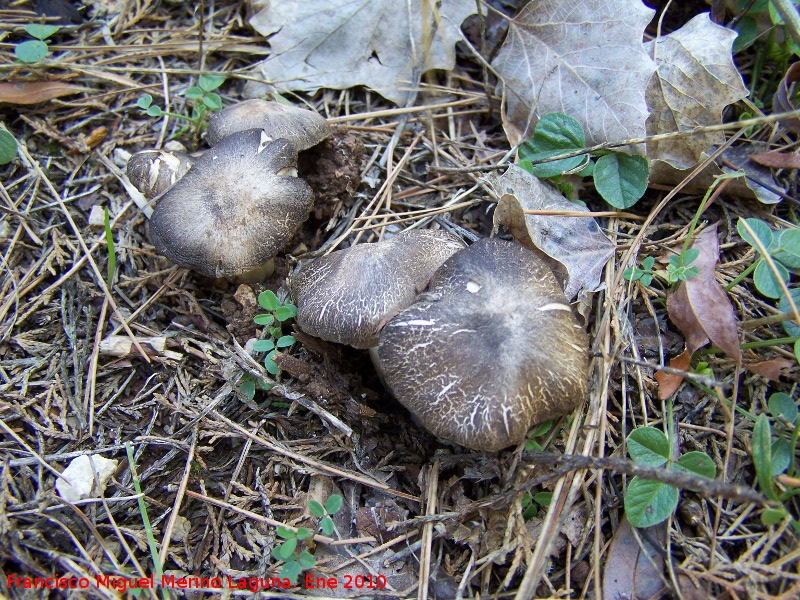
253	584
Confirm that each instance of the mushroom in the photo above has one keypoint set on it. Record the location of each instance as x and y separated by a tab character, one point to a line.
348	295
490	349
235	209
304	128
154	171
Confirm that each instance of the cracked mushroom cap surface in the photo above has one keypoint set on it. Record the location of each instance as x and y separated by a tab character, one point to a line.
154	171
304	128
348	295
490	350
235	209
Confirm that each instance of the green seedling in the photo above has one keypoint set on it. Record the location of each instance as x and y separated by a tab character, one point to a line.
296	562
32	51
272	320
773	452
783	247
649	502
679	268
112	253
621	179
204	100
531	503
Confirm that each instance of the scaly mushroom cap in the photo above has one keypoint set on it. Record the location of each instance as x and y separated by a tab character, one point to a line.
304	128
238	206
347	296
490	350
153	171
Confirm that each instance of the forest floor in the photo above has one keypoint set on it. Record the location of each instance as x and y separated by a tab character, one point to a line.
220	467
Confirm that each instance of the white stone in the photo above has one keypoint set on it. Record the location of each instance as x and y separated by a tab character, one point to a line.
77	480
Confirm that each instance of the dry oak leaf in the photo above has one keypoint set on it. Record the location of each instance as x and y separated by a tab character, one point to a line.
338	44
695	80
700	308
575	242
33	92
633	570
584	59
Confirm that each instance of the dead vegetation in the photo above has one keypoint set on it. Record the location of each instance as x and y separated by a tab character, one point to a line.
219	471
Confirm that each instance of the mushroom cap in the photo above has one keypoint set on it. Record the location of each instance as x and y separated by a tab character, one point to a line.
235	209
490	350
348	295
153	171
304	128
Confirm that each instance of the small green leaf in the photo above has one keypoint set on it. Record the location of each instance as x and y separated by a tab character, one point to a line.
248	388
327	526
532	444
690	256
333	504
797	350
648	503
792	328
112	253
543	428
31	51
543	498
285	341
263	319
621	179
788	250
760	228
263	346
144	101
303	533
762	455
316	509
210	82
154	111
697	463
781	456
275	331
648	263
270	365
306	559
39	31
194	93
8	147
773	516
286	549
649	446
781	404
647	279
213	101
291	570
557	131
632	274
268	300
284	313
765	281
285	532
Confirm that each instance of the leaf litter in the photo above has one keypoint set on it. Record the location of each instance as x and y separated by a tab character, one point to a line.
219	471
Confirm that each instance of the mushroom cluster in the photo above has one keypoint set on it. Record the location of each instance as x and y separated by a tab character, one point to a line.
489	348
229	211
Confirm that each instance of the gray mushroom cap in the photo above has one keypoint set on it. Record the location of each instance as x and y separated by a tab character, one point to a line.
490	350
154	171
304	128
348	295
235	209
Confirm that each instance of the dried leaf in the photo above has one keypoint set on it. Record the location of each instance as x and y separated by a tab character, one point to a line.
668	383
781	101
630	571
575	242
584	59
771	369
777	160
343	43
700	308
696	79
33	92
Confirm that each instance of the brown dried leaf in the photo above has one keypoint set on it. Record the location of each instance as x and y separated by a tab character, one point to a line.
777	160
668	383
771	369
584	59
630	571
344	43
575	242
700	308
22	93
781	101
696	79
